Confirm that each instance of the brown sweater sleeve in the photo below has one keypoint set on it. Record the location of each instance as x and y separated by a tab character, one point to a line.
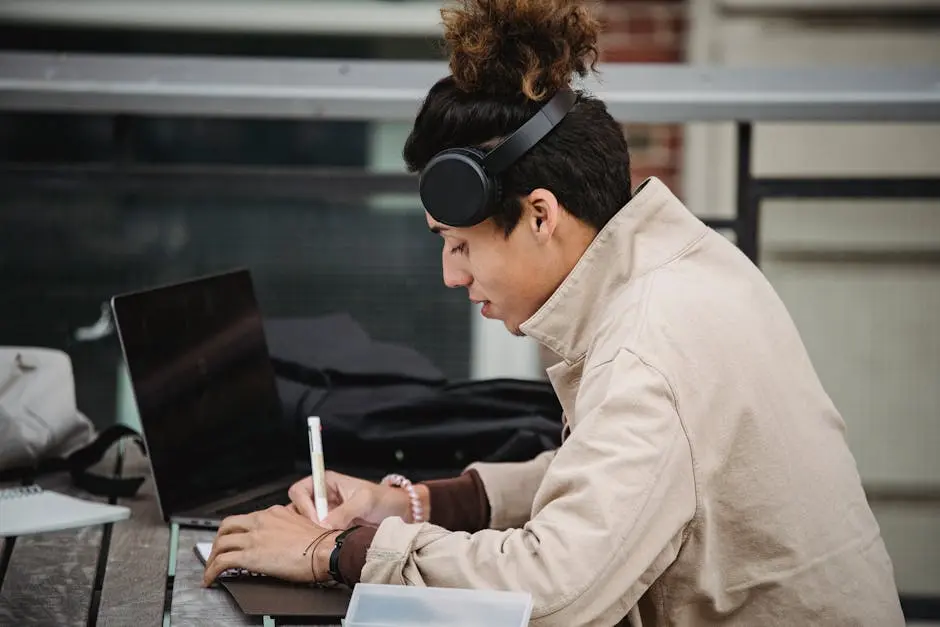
457	504
352	555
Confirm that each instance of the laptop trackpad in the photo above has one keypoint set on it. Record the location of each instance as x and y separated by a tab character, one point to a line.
272	598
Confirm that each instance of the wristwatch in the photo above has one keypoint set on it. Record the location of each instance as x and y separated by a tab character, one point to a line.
334	554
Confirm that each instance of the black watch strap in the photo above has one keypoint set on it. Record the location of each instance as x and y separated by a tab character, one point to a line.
334	554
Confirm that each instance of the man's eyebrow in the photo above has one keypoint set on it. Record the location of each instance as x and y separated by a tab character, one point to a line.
439	229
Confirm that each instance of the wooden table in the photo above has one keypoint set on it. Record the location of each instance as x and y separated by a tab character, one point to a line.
138	572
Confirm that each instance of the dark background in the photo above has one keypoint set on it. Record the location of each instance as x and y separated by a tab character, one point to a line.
69	242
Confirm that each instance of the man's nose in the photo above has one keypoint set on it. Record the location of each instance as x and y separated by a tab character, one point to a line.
456	277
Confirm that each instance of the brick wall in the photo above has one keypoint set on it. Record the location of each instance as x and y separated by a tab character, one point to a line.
648	31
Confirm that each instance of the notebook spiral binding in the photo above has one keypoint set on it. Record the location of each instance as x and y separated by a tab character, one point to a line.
13	493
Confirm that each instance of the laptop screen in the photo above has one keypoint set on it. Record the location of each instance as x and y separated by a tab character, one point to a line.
205	389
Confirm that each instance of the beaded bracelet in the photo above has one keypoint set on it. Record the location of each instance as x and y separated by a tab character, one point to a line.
398	481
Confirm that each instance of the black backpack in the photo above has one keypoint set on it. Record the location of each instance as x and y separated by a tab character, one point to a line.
386	408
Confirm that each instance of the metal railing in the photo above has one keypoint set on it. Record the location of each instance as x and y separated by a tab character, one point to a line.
384	91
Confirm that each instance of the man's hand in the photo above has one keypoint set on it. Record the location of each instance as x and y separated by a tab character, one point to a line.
354	501
270	542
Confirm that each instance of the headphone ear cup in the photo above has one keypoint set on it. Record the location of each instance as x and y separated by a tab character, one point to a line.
455	188
493	186
496	193
473	153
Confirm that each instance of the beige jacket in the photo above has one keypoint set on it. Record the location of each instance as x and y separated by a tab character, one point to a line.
706	479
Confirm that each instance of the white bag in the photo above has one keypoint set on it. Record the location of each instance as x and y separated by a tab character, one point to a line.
38	415
42	430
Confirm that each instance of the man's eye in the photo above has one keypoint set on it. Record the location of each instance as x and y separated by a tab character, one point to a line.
462	248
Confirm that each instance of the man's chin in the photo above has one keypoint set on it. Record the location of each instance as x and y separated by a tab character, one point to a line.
514	329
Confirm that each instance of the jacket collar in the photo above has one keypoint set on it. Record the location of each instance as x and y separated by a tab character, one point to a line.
653	228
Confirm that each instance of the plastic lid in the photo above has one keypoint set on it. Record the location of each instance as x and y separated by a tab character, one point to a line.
377	605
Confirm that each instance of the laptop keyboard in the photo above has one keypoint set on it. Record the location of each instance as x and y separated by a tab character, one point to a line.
258	503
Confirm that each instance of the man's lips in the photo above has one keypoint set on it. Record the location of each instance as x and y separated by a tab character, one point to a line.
485	310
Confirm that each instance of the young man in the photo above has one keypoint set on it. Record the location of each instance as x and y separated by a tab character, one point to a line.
704	478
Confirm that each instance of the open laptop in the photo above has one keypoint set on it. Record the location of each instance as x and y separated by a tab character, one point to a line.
205	390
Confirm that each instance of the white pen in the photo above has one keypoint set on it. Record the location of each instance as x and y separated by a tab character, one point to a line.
317	470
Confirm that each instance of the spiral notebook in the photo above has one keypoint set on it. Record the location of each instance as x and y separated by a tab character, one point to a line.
31	509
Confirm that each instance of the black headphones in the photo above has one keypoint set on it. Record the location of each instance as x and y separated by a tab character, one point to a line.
459	186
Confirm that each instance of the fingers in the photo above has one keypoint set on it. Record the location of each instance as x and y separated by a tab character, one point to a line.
237	524
225	561
304	486
227	552
301	493
359	505
269	542
224	544
301	497
334	495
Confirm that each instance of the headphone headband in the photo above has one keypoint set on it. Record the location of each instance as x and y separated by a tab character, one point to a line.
459	186
531	133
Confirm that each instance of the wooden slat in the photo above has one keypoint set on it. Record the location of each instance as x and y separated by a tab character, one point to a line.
4	558
51	575
193	604
135	578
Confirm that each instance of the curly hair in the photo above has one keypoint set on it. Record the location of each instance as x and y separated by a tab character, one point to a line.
502	47
506	58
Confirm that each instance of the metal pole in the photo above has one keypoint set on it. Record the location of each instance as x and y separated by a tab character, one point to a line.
748	203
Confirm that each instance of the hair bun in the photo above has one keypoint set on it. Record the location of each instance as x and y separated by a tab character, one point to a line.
502	48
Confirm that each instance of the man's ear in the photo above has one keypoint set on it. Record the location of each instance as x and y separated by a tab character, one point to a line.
541	213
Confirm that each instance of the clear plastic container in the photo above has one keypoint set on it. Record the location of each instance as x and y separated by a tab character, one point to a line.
375	605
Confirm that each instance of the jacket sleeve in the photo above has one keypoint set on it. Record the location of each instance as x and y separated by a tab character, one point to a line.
510	488
608	519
